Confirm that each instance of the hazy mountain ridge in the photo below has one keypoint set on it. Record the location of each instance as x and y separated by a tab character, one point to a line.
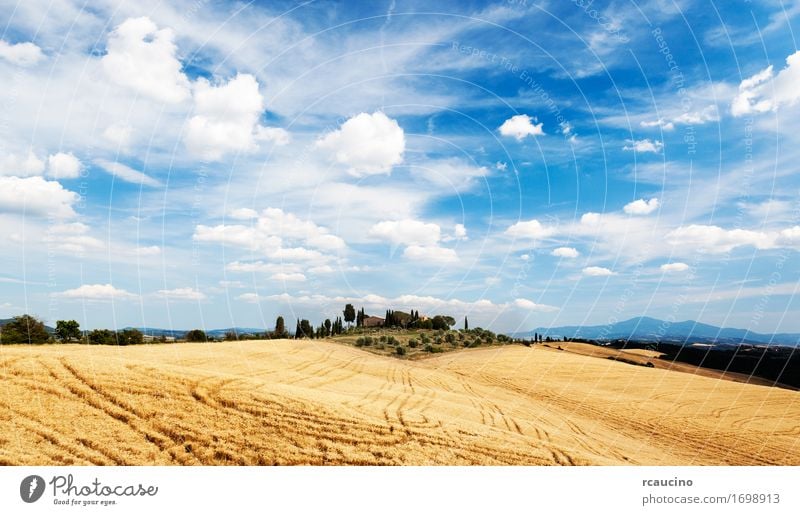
647	328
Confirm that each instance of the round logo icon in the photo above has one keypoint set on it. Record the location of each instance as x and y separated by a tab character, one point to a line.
31	488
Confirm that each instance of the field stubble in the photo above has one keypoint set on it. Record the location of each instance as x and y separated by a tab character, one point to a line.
285	402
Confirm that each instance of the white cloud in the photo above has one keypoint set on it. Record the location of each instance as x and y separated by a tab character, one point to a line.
565	252
63	166
431	254
460	232
644	145
72	238
251	298
226	119
532	229
96	292
407	232
708	114
126	173
274	135
597	271
21	54
298	254
501	166
246	237
529	305
641	207
520	126
119	134
36	196
665	125
674	267
182	294
27	166
367	143
765	91
716	240
262	267
142	57
451	174
322	269
284	276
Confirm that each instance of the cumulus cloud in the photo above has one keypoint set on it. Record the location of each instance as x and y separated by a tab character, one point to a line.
102	292
430	254
126	173
674	267
182	294
226	118
644	145
152	250
520	126
460	232
72	238
716	240
531	229
63	166
367	143
766	91
21	166
36	196
407	232
565	252
119	134
597	271
268	230
641	207
21	54
141	57
661	123
529	305
288	277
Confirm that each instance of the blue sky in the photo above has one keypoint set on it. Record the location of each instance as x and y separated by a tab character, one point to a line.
208	164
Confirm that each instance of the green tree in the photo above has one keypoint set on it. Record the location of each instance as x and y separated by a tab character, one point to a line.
466	324
297	332
328	326
102	337
349	313
306	331
67	330
280	328
231	336
196	335
24	329
129	337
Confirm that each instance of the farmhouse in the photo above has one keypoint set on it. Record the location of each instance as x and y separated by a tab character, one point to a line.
372	321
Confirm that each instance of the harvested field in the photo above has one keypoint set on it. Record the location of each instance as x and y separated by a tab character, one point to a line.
316	402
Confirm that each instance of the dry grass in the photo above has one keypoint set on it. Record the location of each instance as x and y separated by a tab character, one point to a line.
286	402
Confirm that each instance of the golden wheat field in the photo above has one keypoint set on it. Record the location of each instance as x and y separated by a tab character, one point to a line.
311	402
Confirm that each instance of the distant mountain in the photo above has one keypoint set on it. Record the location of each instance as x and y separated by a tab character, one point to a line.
180	333
653	329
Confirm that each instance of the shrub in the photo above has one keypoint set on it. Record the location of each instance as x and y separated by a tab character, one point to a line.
196	335
424	338
437	340
392	340
360	342
431	348
382	338
400	350
450	338
380	346
368	340
413	343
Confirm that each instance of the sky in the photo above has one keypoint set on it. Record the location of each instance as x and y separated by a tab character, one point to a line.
208	164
